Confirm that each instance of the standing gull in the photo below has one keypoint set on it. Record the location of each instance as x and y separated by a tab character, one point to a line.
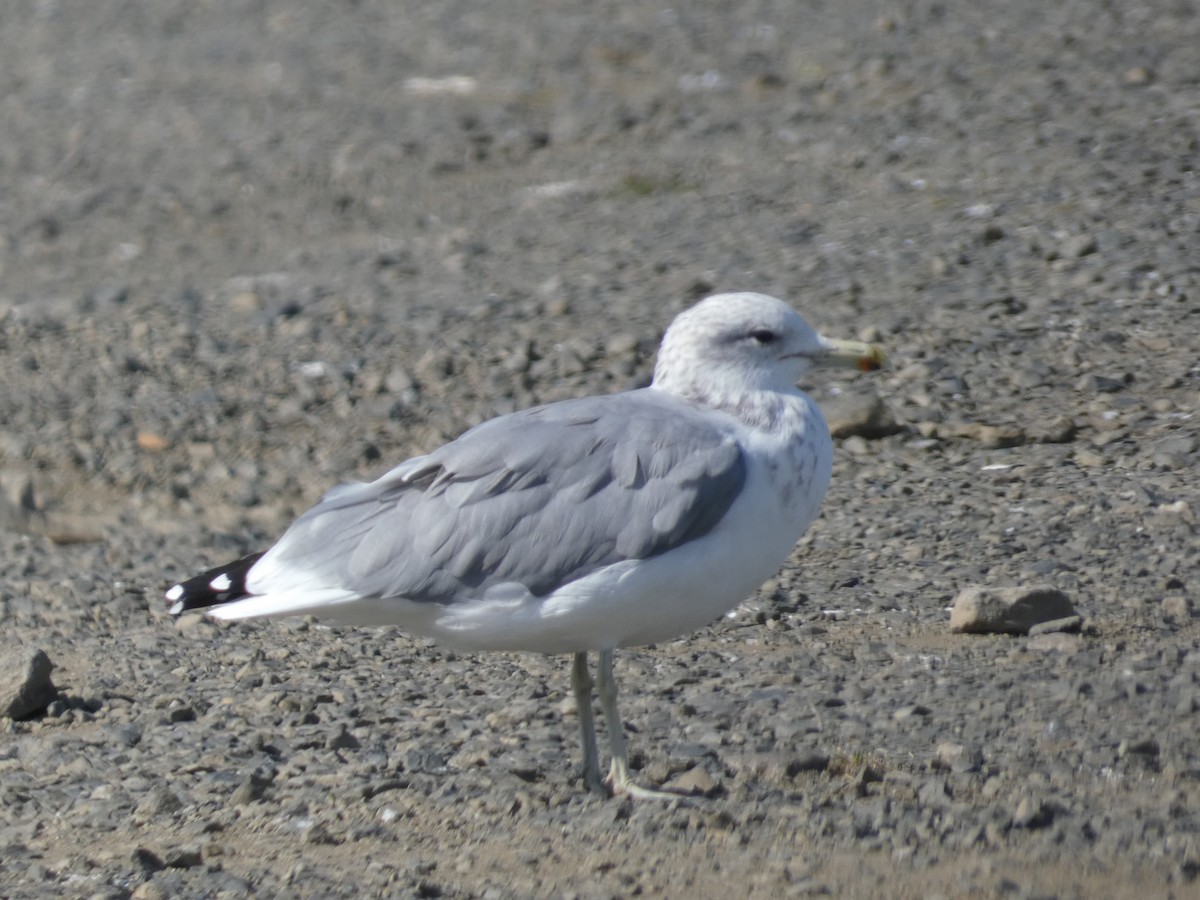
580	526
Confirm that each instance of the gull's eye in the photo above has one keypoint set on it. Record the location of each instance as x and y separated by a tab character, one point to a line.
764	336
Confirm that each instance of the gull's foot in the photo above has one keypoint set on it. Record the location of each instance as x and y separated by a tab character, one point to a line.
620	784
597	785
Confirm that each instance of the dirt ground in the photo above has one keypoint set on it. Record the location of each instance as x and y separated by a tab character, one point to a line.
251	249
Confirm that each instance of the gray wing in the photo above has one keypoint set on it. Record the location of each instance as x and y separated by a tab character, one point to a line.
540	497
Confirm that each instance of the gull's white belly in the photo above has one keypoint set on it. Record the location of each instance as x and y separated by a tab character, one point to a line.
647	601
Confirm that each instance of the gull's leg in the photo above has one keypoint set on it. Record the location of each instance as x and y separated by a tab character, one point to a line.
581	684
618	773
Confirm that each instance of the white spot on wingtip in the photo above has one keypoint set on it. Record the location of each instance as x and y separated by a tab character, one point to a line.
221	583
175	593
177	608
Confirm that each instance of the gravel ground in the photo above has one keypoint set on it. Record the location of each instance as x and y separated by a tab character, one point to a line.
252	249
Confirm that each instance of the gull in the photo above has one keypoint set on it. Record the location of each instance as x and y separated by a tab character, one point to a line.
581	526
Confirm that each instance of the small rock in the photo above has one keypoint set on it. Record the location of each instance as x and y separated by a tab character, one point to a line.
991	436
398	380
1175	452
996	437
623	344
128	735
558	306
907	712
856	446
1007	610
25	685
695	781
1147	747
21	492
1065	624
1177	607
1078	246
1138	76
1100	384
152	442
245	302
812	761
159	802
1033	813
13	517
343	740
1180	508
147	860
251	789
1055	643
186	857
1061	430
934	794
194	623
958	757
859	415
319	833
149	890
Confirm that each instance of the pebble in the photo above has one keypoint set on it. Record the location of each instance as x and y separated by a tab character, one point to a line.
859	414
160	802
695	781
25	685
1055	642
957	757
1066	623
1100	384
1078	245
1177	607
1146	747
13	516
1060	430
1175	452
1033	812
1010	610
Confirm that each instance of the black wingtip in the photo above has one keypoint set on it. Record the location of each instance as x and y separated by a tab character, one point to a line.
224	584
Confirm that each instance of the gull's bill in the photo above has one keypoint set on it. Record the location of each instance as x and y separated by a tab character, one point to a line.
852	354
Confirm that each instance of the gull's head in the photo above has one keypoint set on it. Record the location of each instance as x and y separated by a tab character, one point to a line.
730	345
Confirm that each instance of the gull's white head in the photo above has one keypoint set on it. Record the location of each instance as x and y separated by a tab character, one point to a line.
732	345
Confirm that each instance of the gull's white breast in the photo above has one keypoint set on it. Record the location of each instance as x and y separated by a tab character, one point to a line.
647	601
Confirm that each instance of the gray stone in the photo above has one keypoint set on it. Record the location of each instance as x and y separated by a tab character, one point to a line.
991	436
1078	245
1054	642
159	802
13	516
1059	430
1175	452
1144	747
343	740
252	788
1100	384
859	414
1176	607
184	857
1068	624
1007	610
25	685
1033	812
695	781
958	758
